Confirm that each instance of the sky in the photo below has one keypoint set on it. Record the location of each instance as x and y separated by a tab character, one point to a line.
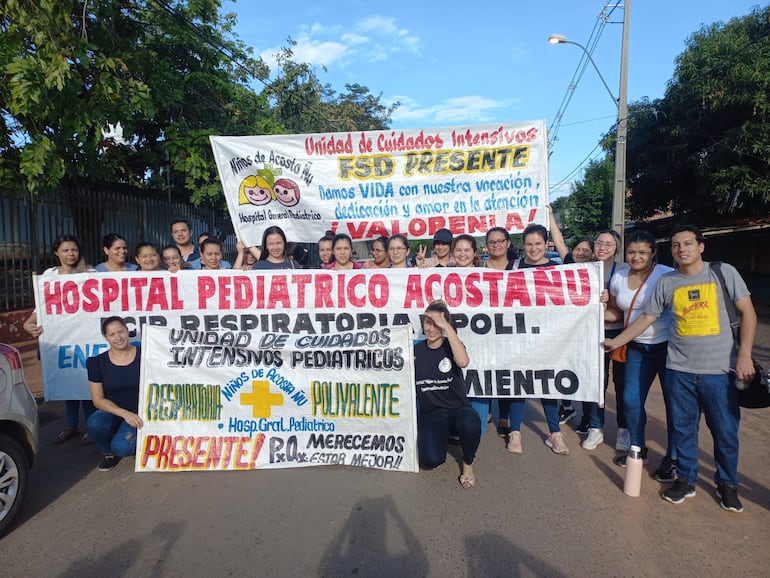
489	61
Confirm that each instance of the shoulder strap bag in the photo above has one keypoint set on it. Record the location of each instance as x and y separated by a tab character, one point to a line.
757	393
621	352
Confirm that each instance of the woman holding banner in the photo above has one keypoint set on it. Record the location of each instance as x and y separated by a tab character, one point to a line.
606	247
274	251
66	248
465	254
113	377
444	406
498	246
535	239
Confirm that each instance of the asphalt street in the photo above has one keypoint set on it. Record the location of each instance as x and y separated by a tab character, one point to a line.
535	514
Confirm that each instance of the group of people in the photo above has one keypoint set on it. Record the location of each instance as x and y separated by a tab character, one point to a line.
675	325
672	322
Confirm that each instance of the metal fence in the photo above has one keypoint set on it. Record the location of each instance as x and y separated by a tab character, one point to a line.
28	227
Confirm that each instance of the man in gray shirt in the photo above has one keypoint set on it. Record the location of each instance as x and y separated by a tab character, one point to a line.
703	361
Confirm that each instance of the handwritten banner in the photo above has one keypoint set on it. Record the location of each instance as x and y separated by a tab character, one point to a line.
529	333
260	400
374	183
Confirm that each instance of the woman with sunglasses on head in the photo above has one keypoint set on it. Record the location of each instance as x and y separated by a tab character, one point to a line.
66	248
443	404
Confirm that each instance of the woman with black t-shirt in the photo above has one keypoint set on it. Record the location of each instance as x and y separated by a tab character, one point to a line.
444	406
114	380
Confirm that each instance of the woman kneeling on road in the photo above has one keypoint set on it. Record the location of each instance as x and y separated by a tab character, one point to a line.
114	380
441	394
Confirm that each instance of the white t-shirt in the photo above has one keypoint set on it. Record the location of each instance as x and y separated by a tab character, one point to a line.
658	331
607	281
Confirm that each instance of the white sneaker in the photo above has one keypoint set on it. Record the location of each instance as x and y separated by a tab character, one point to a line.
595	437
623	441
556	442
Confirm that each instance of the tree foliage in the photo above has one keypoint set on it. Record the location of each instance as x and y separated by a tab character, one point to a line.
704	147
171	75
587	210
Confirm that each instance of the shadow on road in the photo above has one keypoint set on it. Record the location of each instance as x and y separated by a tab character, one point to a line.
375	541
493	555
119	561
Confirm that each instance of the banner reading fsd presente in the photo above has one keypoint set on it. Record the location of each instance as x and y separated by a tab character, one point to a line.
261	401
373	183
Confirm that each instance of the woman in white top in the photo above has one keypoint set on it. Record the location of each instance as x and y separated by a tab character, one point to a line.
605	250
67	251
630	291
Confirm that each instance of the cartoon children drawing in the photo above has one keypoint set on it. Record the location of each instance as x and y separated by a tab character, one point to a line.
286	192
255	190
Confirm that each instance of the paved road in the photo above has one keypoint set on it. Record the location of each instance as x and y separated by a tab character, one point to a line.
535	514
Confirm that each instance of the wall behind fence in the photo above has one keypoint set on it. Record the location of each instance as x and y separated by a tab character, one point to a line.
28	227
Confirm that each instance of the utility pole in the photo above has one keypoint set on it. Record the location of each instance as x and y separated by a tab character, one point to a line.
619	193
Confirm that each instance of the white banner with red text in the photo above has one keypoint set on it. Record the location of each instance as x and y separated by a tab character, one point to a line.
267	400
530	332
373	183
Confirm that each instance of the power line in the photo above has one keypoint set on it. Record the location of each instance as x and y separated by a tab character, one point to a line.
208	39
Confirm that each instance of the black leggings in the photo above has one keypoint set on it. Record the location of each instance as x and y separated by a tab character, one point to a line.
433	429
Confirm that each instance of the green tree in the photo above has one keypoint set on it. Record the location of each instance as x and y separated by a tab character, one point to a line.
704	148
588	208
302	104
171	76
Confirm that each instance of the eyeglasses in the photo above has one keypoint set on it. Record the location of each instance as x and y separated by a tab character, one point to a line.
496	242
396	248
602	244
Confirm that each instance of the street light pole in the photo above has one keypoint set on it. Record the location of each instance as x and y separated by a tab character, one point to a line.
619	195
559	39
619	189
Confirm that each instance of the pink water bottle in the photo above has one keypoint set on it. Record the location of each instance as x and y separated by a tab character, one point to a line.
632	484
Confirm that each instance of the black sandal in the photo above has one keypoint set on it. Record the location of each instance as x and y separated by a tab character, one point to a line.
66	434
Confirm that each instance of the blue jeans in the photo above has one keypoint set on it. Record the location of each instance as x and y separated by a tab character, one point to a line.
111	434
643	363
718	397
591	409
72	409
433	428
550	409
483	407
